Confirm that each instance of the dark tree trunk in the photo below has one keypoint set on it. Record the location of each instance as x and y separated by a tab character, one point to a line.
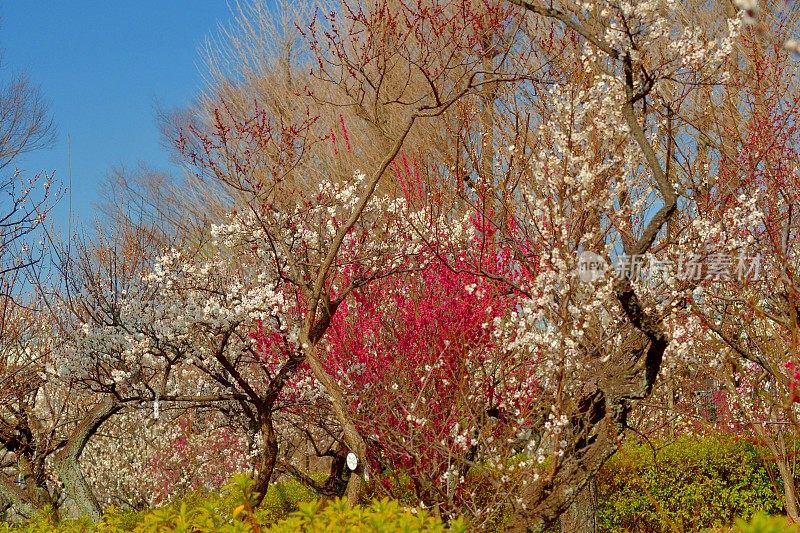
599	418
268	457
67	461
26	501
580	517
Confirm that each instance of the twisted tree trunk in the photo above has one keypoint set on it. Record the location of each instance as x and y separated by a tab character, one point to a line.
267	458
599	418
67	461
580	517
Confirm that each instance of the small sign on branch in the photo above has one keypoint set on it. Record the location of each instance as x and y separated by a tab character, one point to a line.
352	461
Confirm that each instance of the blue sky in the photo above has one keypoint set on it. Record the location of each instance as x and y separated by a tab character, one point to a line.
105	68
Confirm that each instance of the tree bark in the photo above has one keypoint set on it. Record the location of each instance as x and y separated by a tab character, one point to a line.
777	446
352	437
21	500
267	458
580	517
599	418
67	461
789	489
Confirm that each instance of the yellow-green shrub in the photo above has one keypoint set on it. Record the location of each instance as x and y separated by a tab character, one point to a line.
691	484
762	523
384	515
232	511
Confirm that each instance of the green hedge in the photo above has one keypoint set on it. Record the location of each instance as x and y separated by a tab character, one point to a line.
284	510
761	523
688	485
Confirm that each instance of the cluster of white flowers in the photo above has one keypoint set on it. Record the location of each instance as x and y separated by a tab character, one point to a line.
383	235
655	23
140	462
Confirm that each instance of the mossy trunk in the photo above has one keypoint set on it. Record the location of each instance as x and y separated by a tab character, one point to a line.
67	462
580	517
267	458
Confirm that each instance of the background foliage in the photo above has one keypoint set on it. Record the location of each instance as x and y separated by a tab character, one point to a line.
690	484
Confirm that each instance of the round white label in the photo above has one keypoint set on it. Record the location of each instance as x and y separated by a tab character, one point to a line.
352	461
